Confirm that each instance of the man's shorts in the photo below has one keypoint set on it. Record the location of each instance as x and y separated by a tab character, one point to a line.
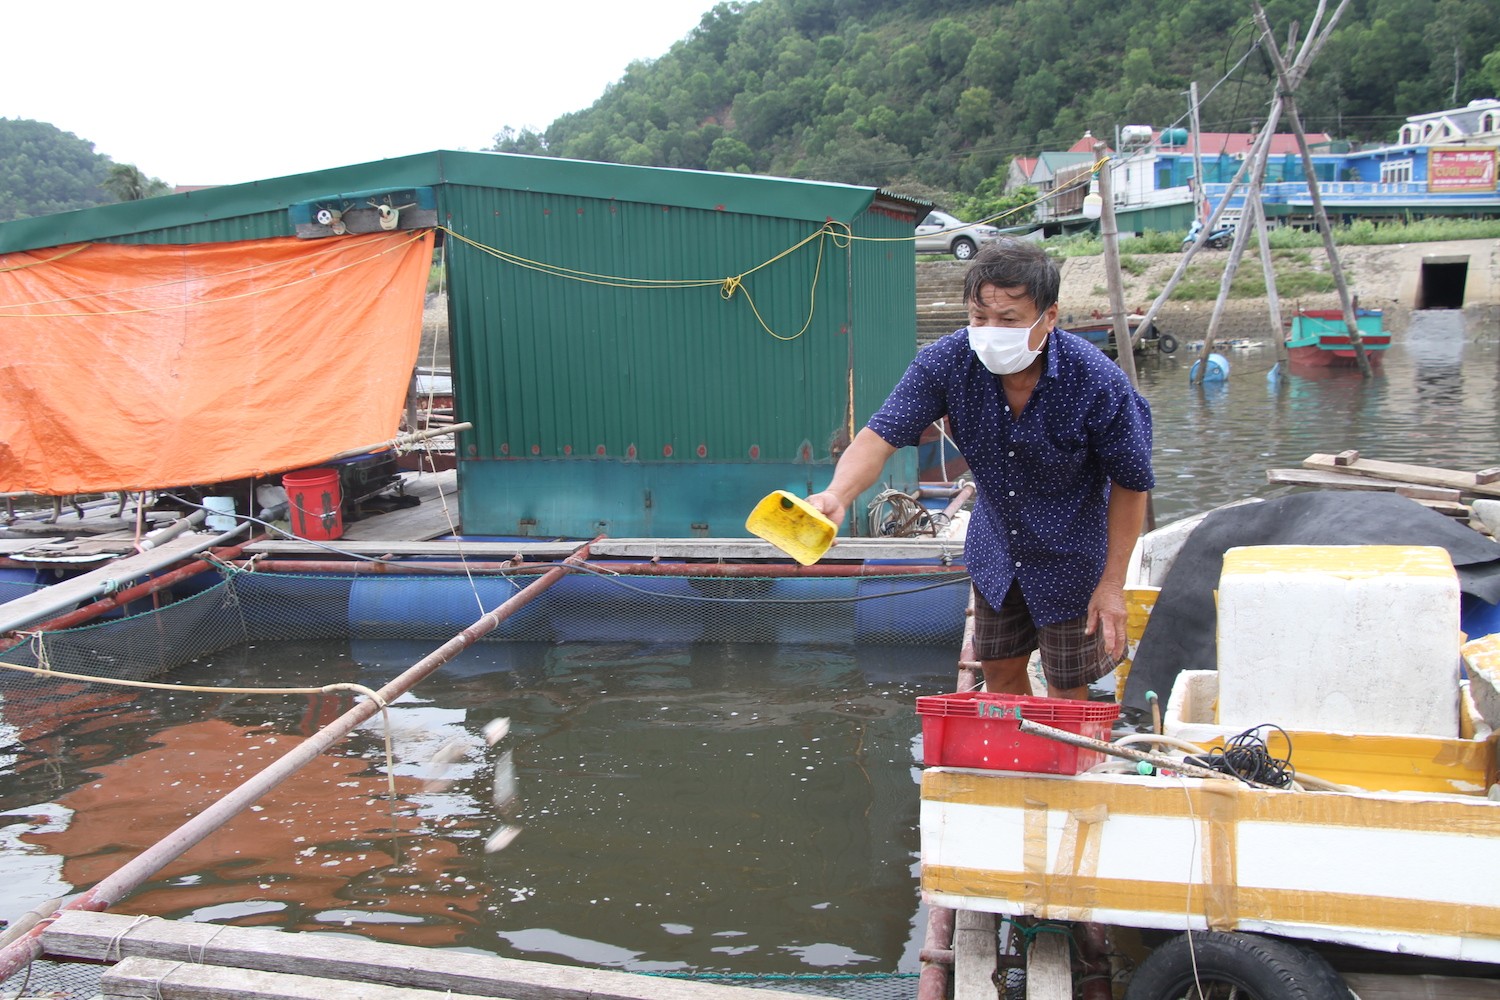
1070	658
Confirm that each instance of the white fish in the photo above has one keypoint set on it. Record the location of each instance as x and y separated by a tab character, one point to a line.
505	781
501	838
495	730
451	752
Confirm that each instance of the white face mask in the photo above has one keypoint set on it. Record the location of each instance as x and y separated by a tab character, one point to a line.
1004	350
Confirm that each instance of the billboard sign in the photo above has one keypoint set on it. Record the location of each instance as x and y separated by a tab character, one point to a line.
1461	168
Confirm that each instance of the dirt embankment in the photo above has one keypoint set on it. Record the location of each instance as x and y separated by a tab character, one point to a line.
1383	277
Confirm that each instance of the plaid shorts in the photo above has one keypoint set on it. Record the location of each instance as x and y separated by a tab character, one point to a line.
1070	658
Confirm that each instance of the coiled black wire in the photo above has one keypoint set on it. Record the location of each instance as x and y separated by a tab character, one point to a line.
1247	757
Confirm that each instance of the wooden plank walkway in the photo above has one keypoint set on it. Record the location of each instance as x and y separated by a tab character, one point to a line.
118	573
178	960
436	515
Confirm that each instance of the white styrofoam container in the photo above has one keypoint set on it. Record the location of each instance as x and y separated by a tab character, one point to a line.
1348	638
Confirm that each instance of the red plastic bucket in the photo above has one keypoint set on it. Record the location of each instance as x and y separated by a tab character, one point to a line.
315	503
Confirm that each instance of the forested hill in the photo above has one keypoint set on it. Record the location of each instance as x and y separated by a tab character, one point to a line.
44	170
936	95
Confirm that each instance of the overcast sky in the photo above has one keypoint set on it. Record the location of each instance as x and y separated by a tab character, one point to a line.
217	92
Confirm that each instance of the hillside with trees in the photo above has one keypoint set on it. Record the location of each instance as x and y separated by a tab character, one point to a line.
44	170
936	97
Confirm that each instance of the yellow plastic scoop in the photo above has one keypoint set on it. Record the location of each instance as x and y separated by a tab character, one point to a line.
793	525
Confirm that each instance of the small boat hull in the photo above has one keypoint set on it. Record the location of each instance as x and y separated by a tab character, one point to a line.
1319	338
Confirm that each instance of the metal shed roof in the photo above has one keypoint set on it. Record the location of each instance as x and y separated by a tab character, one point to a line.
258	208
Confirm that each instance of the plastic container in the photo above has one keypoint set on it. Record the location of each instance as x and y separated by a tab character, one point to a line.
793	525
315	503
974	729
1217	370
220	513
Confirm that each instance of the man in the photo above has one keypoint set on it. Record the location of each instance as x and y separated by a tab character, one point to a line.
1060	446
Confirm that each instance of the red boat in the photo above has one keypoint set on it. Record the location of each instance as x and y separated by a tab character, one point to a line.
1319	337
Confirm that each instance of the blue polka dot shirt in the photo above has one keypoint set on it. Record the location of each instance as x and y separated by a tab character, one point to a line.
1043	479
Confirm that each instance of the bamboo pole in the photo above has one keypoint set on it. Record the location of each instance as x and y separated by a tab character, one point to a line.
1110	235
1255	163
1287	82
129	877
1273	300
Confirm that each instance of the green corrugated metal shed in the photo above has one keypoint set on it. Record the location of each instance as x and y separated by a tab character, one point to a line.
607	395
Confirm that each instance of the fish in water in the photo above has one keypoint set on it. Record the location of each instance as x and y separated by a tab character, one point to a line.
495	730
505	782
501	838
451	752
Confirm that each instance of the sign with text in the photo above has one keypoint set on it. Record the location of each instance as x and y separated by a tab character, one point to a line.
1461	168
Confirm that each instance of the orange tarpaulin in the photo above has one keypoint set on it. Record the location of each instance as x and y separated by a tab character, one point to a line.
143	367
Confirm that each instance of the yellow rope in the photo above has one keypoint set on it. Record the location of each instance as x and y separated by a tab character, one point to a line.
334	247
47	671
227	298
838	232
38	263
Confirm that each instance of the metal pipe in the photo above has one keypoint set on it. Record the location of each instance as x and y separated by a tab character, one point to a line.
960	497
1093	948
177	527
932	982
130	876
359	567
108	585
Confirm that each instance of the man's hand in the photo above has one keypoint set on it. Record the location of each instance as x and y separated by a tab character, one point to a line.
1107	611
829	504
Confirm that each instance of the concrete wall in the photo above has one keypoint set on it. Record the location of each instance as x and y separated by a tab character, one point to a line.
1384	277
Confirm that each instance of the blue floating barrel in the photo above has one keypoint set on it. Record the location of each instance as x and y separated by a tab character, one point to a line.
1217	370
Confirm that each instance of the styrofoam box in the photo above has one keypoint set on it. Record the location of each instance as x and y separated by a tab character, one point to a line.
1350	638
1482	657
1373	762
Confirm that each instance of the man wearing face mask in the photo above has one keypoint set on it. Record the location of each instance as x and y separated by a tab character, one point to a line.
1059	444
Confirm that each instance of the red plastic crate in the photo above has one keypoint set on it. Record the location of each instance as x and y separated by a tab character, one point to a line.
974	729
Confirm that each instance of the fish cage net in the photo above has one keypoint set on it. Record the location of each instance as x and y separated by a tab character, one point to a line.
53	981
844	986
223	609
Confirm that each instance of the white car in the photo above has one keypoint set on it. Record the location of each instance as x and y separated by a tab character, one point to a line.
942	233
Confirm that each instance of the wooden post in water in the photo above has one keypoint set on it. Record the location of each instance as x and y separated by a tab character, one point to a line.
1109	234
1256	162
1287	81
1273	301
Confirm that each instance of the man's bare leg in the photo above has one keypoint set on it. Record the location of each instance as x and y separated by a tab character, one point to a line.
1007	676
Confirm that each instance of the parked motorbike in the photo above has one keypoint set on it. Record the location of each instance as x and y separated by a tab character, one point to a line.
1219	239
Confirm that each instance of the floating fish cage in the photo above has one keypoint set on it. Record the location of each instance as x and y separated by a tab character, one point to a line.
218	610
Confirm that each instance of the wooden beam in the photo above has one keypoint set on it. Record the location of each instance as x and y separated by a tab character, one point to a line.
1346	457
139	978
98	937
1486	476
1369	986
1425	475
1049	968
1346	481
118	572
976	955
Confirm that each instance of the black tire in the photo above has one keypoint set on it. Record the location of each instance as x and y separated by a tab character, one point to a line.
1248	966
963	248
1166	343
